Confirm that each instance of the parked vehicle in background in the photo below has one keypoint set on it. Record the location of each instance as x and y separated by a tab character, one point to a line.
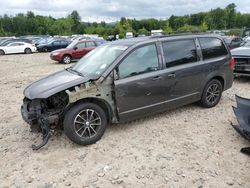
246	32
42	41
75	51
17	47
129	79
242	59
52	45
233	42
8	41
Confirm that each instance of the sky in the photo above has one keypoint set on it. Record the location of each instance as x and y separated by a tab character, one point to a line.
113	10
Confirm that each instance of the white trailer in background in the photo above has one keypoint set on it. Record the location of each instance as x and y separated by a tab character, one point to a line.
129	35
156	32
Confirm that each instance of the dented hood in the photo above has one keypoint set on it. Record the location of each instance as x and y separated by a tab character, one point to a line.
53	84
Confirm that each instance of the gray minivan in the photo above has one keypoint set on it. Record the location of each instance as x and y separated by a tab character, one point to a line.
128	79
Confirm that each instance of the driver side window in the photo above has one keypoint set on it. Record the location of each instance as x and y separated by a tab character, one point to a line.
142	60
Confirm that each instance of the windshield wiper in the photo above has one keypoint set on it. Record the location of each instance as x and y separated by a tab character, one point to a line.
75	71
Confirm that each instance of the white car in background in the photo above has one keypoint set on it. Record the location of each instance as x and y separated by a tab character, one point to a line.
17	47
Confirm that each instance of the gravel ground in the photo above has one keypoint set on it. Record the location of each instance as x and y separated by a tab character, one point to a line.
186	147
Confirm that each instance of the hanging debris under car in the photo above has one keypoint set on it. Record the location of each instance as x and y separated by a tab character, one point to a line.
242	113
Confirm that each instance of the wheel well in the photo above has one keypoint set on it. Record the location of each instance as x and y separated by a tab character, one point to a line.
26	49
67	55
2	51
100	102
222	81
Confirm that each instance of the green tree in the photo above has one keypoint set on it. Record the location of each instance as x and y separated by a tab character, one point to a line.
231	15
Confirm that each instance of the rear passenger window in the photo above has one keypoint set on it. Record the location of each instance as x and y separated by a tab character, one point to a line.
212	48
179	52
90	44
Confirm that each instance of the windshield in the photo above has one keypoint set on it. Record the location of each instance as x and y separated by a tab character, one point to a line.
98	60
72	44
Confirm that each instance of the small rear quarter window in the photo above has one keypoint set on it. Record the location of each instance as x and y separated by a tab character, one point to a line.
212	47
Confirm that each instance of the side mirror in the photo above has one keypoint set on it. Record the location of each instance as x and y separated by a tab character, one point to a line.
75	48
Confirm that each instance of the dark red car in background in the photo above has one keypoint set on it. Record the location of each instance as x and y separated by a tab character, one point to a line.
75	51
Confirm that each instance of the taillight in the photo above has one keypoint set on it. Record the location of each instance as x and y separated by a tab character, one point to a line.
232	63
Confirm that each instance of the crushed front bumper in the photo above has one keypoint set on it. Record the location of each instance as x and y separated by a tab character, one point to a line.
29	114
31	111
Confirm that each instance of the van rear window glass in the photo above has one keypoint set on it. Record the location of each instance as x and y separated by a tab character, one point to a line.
212	48
179	52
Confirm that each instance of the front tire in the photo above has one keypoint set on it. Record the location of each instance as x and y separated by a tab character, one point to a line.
85	123
66	59
211	94
27	51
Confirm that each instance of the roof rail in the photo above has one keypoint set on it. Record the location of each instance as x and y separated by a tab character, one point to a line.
181	34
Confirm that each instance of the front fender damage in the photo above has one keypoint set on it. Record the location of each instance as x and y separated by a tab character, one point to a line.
46	114
242	113
101	89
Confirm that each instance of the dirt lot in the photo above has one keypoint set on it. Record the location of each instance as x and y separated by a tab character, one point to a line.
186	147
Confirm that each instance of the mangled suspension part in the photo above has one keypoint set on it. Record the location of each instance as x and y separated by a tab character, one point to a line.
242	113
101	89
44	124
42	121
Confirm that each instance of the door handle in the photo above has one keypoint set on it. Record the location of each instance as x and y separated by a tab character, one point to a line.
172	75
156	78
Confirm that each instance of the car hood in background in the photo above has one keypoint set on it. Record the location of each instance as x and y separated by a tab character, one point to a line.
53	84
62	50
241	51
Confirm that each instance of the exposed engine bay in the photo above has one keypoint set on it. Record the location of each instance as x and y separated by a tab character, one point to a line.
44	115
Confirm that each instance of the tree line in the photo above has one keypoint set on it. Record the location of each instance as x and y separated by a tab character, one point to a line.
215	19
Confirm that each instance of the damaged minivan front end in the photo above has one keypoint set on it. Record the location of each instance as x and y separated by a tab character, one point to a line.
43	115
46	114
49	101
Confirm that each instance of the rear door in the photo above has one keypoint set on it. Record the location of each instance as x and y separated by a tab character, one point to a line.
90	46
55	45
64	44
215	58
184	69
139	86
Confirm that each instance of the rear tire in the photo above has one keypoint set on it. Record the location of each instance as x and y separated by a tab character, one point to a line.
66	59
211	94
2	52
27	51
85	123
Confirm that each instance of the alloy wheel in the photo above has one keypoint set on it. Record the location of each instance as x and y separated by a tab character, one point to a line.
213	93
66	59
87	123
